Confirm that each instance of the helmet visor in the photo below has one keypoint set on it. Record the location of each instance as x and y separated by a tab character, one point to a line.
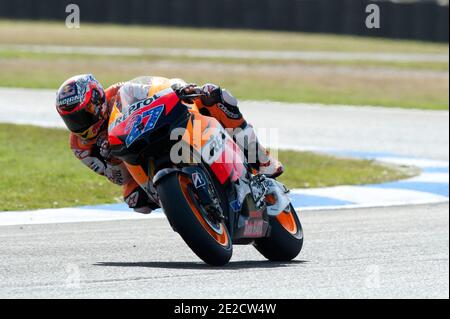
80	121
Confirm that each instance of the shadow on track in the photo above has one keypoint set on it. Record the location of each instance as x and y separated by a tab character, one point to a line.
199	265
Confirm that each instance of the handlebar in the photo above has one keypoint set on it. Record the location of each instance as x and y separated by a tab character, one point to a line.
193	96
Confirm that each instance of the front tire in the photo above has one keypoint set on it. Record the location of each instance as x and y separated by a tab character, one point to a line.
286	237
208	239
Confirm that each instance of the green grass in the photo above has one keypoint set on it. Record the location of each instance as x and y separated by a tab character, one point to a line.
26	32
421	85
15	53
277	82
40	171
307	169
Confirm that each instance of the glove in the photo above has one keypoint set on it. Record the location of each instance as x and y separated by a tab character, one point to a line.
104	149
212	94
183	90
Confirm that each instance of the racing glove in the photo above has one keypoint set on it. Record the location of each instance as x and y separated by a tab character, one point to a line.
213	94
186	89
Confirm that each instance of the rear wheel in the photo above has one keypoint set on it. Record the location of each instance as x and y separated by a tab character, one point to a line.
286	237
206	236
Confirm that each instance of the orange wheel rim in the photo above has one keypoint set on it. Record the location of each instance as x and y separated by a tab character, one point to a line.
222	237
287	220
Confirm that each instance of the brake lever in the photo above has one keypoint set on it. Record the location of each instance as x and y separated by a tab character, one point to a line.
192	96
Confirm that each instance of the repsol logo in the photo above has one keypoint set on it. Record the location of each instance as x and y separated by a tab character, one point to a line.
142	103
139	104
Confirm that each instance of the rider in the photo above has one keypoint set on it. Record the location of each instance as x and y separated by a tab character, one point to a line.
85	108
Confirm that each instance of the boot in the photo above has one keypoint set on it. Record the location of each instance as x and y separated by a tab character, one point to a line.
257	155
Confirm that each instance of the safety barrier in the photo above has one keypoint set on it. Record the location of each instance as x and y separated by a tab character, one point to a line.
423	20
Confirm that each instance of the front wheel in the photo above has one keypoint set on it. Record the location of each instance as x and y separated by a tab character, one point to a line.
286	237
208	239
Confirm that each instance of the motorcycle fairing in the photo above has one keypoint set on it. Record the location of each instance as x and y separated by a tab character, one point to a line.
130	132
215	147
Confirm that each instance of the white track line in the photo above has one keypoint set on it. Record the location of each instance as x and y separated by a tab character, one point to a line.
233	54
372	196
422	163
68	215
431	178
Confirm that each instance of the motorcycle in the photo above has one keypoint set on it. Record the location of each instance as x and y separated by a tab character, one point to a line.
191	165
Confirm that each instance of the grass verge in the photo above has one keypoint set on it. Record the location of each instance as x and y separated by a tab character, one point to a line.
39	171
56	33
11	52
284	83
422	85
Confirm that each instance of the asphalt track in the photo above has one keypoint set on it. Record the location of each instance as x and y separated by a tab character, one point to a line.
357	253
369	253
415	133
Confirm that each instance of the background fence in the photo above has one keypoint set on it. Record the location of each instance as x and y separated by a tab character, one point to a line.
423	20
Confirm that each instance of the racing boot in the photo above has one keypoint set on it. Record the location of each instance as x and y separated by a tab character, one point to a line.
257	155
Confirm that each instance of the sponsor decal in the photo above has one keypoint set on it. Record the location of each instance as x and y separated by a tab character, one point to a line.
69	101
81	154
236	205
139	104
143	123
136	106
253	228
130	123
215	146
198	180
75	92
116	173
229	113
69	90
96	165
255	214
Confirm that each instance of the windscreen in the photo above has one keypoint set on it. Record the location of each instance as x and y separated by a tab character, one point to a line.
133	91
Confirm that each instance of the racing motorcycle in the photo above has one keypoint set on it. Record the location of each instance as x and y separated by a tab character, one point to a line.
192	166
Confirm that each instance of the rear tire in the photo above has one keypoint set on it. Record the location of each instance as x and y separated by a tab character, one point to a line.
210	241
286	237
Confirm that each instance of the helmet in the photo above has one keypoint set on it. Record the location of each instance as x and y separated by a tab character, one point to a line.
81	103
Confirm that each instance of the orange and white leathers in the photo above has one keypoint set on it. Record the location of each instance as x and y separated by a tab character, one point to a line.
94	153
